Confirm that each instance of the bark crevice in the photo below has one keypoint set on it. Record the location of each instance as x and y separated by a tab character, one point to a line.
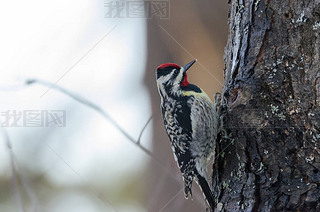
272	108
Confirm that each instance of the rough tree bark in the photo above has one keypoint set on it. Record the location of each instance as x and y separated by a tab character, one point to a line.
272	97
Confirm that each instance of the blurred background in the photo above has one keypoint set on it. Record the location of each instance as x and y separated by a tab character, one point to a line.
58	154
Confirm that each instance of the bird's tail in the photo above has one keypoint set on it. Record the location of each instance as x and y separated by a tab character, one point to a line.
187	186
205	190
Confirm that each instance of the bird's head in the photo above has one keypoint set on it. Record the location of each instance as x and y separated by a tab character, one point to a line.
170	77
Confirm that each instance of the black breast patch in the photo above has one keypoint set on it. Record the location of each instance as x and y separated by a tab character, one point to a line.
191	87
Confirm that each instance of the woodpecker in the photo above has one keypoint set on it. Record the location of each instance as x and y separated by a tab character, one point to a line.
190	121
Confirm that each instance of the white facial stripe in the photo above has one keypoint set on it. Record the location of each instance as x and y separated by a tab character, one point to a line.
175	82
178	78
166	78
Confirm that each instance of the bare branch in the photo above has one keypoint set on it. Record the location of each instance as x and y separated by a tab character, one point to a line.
14	178
103	113
29	191
142	131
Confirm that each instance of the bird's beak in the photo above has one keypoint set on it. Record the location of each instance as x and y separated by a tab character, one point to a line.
186	67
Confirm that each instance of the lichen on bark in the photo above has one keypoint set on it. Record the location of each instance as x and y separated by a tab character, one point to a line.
272	110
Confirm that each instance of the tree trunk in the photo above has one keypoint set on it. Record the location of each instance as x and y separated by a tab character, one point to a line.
271	161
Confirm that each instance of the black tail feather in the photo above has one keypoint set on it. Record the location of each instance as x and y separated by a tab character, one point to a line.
206	190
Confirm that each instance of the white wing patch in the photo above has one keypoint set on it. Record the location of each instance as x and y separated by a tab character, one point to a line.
203	131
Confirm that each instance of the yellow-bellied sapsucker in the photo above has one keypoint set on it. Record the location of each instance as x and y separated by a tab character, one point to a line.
191	123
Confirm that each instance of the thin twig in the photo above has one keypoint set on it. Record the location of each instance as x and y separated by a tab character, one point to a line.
29	191
104	114
142	131
97	108
14	178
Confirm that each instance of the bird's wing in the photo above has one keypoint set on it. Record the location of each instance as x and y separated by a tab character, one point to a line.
203	131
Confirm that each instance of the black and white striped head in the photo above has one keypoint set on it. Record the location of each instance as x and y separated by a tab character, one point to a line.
170	77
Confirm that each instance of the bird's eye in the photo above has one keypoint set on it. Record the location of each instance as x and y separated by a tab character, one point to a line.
176	71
